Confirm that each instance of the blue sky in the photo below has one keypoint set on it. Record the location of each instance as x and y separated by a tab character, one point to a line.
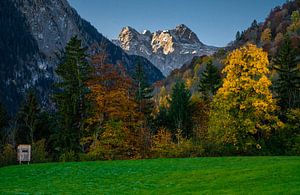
214	21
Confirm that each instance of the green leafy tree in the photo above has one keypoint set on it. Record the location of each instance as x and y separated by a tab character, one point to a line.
179	111
28	119
287	86
210	81
70	99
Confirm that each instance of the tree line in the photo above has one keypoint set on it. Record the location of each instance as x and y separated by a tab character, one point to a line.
102	114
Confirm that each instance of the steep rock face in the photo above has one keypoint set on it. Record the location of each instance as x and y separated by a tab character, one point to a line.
167	49
33	32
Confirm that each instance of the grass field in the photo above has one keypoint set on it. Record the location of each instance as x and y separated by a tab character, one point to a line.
228	175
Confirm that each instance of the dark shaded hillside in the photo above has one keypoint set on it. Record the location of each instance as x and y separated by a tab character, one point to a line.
32	33
17	48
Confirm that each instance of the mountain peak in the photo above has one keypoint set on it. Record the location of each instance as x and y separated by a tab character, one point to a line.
147	32
166	49
127	36
183	26
186	35
128	28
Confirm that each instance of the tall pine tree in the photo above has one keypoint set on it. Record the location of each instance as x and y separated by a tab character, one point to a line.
287	86
143	95
28	119
71	96
210	81
179	111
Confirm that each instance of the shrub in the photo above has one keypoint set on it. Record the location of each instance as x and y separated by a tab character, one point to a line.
9	155
96	152
83	157
186	148
162	144
68	156
292	131
115	142
38	151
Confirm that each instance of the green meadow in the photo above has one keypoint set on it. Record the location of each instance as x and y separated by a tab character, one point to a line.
224	175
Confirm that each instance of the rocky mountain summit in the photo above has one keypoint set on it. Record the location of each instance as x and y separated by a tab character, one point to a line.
167	50
33	32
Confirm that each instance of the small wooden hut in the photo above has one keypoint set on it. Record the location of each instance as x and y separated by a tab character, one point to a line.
24	153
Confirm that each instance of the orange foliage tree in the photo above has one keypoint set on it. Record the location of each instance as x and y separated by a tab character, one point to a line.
112	97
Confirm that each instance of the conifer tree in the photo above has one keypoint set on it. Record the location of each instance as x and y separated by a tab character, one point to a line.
145	105
238	36
179	111
287	86
28	119
254	24
162	119
210	81
70	99
144	91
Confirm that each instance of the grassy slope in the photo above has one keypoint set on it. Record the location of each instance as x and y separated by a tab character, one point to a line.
232	175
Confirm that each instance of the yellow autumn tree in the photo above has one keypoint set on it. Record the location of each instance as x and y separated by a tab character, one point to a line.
242	114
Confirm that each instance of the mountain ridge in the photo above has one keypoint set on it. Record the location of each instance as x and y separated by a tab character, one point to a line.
166	49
